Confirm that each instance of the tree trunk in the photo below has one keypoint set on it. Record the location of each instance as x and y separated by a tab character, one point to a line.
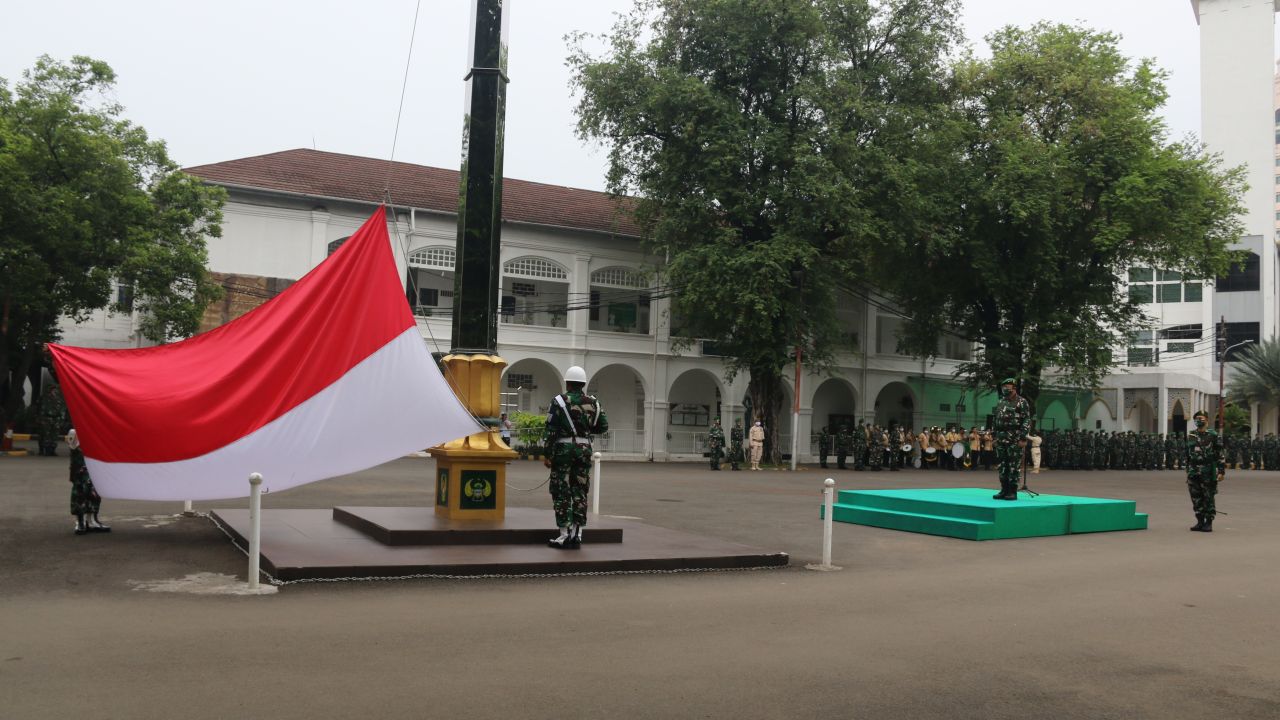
765	390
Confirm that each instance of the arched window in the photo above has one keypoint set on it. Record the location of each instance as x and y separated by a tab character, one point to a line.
615	304
535	291
439	257
620	277
430	288
534	267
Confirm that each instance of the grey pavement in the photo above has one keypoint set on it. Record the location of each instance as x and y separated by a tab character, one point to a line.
1162	623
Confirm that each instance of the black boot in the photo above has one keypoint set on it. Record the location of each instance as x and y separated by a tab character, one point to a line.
96	525
1208	524
81	528
1199	526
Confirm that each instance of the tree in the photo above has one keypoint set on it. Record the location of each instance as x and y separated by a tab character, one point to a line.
1256	380
87	203
760	139
1059	177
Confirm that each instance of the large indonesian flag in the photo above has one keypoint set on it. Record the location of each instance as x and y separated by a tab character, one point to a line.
329	377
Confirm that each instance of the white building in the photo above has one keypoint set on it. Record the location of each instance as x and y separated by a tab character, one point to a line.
1239	122
576	287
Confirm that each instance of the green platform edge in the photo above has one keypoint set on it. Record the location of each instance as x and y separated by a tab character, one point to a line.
972	514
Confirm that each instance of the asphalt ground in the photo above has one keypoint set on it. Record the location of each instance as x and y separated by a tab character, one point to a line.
1161	623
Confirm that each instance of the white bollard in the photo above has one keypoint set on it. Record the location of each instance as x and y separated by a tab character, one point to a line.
828	501
828	509
595	483
255	527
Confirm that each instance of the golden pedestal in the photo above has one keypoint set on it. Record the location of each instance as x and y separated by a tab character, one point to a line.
471	472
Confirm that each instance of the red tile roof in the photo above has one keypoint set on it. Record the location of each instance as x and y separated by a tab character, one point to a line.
350	177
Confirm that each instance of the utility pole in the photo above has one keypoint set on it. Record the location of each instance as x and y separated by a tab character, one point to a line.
1221	368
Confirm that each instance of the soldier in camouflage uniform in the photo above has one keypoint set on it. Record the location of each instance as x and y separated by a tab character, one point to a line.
824	446
573	418
1170	453
735	446
1204	471
85	501
52	419
875	447
1271	452
715	443
1012	423
858	446
843	440
1086	450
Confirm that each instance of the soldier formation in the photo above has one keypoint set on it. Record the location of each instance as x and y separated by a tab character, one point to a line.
1101	450
868	447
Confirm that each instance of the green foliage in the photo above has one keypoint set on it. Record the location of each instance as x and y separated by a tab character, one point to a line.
1256	376
762	139
1059	176
528	427
87	200
1236	419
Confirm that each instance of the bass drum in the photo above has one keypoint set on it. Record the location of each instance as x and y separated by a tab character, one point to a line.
931	455
916	463
957	450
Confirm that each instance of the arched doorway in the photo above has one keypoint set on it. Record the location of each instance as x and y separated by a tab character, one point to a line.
694	401
1098	417
1055	417
833	404
528	386
895	405
1178	419
1143	417
620	390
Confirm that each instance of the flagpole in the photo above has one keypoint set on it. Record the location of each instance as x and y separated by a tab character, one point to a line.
471	471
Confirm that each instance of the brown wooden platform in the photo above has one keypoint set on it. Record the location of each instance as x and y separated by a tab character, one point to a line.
421	526
313	545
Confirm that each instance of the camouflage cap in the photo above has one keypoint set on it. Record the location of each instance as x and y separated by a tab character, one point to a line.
1008	381
1200	413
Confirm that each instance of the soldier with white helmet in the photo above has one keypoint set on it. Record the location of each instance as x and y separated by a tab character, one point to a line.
574	416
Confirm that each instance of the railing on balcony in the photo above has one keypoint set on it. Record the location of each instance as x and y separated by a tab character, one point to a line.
432	312
535	319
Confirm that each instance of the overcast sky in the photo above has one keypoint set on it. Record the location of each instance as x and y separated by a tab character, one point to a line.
235	78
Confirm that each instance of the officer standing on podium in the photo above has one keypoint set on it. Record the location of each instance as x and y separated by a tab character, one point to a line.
1012	423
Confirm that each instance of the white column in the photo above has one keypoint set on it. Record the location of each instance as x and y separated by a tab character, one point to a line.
1163	401
580	292
656	422
319	236
801	433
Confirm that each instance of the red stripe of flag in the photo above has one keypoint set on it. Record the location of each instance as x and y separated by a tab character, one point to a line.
183	400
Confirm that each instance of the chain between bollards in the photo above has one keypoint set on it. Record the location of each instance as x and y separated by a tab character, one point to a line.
828	505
